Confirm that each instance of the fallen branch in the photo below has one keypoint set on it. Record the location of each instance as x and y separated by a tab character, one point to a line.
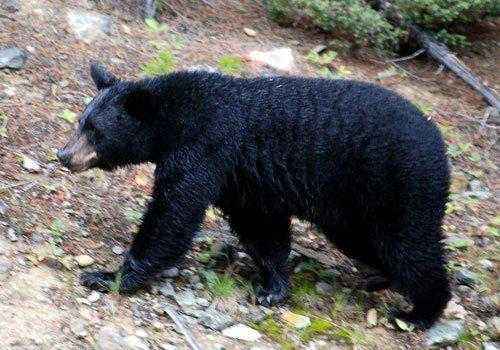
413	55
438	51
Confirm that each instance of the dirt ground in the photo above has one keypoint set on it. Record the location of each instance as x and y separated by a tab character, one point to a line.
48	217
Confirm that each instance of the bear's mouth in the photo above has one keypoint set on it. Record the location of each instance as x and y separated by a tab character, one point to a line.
78	155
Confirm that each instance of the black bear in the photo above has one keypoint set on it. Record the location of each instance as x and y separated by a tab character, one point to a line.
358	161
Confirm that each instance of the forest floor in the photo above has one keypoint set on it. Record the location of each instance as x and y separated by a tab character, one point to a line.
52	221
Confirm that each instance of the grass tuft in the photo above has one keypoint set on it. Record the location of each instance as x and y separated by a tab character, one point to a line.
164	63
230	64
219	285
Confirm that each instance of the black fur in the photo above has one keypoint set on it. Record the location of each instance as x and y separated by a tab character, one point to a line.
358	161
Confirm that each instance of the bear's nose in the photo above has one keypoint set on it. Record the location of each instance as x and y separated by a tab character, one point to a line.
63	156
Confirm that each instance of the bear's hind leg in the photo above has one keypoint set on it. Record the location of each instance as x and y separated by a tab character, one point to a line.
266	238
417	271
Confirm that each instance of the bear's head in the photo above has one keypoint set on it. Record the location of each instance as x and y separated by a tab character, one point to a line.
115	129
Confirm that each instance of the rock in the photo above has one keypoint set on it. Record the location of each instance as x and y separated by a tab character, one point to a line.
494	325
5	268
476	189
12	58
487	265
202	68
133	342
295	320
171	272
466	277
78	328
280	58
117	250
168	347
31	165
185	298
371	318
214	319
324	288
202	302
94	296
11	5
88	26
454	310
84	260
141	333
444	333
3	207
166	289
249	31
110	338
11	235
491	346
241	332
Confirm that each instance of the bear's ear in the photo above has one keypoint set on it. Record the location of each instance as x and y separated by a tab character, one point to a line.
141	103
101	77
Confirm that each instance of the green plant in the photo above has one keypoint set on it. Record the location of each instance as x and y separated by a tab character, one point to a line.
230	64
352	17
219	285
68	116
276	331
154	26
323	59
303	292
164	63
57	228
133	216
114	286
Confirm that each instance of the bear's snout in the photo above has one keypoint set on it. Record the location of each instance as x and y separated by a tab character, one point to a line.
78	155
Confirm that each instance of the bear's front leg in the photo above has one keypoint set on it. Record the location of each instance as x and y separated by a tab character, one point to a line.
180	198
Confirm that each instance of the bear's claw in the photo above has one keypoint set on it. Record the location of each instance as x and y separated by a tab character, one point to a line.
100	281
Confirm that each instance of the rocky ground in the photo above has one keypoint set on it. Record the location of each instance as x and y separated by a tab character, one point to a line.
54	224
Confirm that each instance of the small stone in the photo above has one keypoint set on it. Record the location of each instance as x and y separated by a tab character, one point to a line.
202	302
249	31
202	68
88	26
279	58
444	333
31	165
241	332
84	260
487	265
11	5
491	346
214	319
94	296
171	272
78	328
3	207
133	342
168	347
466	277
185	298
12	58
454	310
11	234
167	289
295	320
110	338
157	325
371	318
194	279
117	250
494	325
324	288
141	333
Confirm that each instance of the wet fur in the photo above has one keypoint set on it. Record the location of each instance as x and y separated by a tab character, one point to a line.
358	161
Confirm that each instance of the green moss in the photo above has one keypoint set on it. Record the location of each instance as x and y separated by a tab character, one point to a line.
317	327
231	64
114	286
303	293
349	335
164	63
276	331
